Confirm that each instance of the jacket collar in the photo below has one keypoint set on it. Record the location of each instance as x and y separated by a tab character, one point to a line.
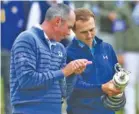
43	36
96	41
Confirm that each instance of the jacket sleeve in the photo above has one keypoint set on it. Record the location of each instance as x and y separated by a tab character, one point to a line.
25	65
94	88
77	84
62	82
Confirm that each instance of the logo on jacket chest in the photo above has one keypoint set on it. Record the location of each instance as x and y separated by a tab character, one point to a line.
60	54
105	57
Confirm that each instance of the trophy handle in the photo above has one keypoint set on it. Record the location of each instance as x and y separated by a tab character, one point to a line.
118	68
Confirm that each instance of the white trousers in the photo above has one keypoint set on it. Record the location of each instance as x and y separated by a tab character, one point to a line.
132	64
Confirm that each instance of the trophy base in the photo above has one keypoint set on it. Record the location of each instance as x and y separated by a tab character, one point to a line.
114	103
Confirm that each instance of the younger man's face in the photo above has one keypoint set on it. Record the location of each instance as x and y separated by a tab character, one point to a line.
85	31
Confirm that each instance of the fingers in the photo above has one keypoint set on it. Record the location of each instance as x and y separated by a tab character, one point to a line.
85	61
76	66
79	71
113	89
80	65
110	89
110	94
88	62
114	92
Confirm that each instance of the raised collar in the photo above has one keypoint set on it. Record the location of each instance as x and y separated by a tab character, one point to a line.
82	44
50	42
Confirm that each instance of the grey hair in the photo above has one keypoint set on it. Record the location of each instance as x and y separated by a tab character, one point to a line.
60	10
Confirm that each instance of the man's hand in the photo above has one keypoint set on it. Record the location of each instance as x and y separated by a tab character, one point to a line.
76	66
110	89
83	65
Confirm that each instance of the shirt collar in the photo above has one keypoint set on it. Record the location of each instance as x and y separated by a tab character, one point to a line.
49	41
82	44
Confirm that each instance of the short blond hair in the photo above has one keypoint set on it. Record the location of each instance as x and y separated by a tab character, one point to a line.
83	14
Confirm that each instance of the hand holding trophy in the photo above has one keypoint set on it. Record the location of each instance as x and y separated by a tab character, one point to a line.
120	81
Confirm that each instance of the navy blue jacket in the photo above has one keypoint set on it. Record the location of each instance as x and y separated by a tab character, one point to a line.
35	74
85	91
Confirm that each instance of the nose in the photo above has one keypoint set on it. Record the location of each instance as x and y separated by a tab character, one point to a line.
89	34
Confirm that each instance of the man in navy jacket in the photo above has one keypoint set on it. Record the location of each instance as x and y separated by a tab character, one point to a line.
38	64
85	91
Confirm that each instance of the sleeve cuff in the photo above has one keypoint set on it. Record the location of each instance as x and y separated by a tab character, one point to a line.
59	74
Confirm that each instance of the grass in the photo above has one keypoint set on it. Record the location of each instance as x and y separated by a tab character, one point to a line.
120	112
1	96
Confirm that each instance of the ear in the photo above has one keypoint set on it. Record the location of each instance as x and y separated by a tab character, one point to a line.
57	21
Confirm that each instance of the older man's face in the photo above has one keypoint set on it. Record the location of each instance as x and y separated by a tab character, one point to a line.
85	31
65	27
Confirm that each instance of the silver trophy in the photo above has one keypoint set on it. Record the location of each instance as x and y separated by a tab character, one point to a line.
120	80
